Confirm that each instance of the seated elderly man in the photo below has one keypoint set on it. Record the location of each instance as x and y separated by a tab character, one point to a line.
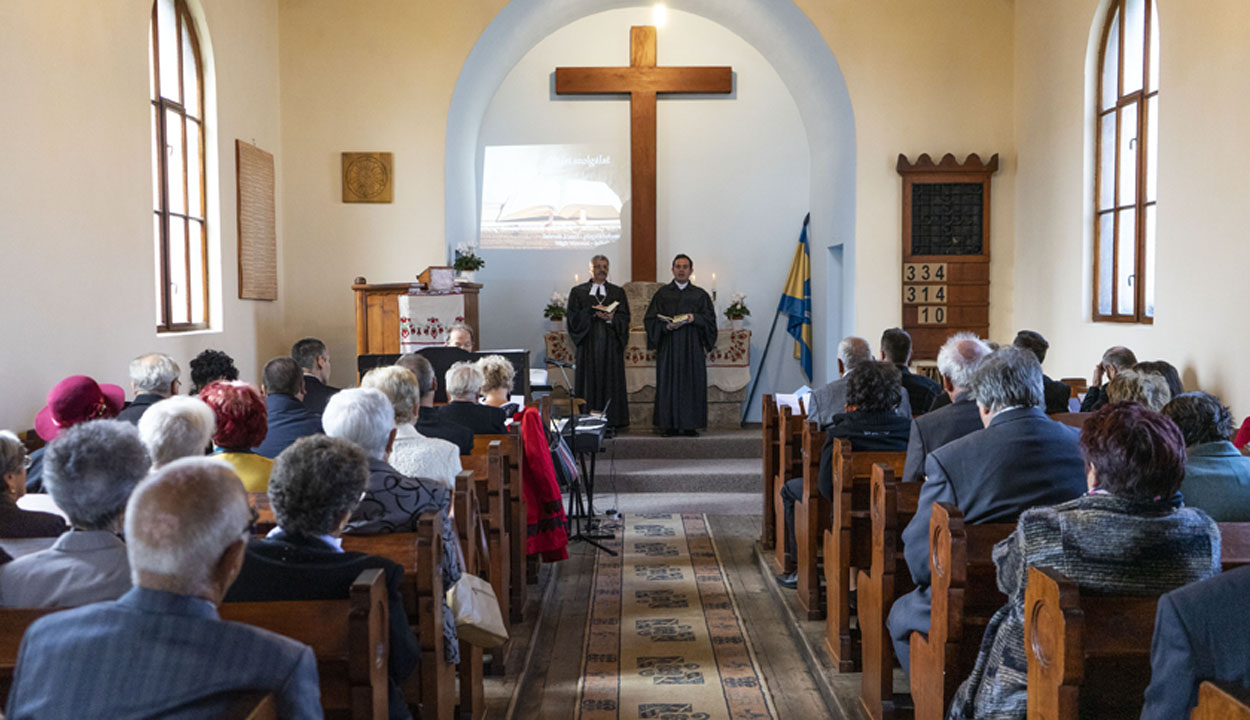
460	335
957	361
1021	459
289	420
429	423
464	381
90	470
1144	388
1217	475
393	502
177	427
830	400
161	650
412	453
153	377
315	486
1116	358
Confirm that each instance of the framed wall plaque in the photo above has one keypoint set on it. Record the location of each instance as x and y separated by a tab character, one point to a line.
946	249
368	177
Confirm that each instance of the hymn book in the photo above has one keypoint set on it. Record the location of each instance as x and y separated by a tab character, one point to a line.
609	308
678	319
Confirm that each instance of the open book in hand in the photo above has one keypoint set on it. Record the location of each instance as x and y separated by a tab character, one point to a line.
607	308
678	319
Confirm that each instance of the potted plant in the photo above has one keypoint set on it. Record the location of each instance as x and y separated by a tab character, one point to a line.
467	263
555	311
737	310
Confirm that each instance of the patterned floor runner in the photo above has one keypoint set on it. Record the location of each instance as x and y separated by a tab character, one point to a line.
663	637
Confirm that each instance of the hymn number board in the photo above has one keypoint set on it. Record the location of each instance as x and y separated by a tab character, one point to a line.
946	249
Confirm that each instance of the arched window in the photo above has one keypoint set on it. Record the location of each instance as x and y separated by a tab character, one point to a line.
1126	175
177	98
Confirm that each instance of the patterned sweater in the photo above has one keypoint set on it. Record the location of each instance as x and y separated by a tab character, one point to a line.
1104	544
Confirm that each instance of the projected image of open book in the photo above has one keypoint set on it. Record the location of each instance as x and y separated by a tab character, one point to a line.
563	213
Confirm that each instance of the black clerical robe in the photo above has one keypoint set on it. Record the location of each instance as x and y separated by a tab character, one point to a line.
681	355
600	373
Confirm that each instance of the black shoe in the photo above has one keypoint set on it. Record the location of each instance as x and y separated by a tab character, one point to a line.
690	433
788	580
669	432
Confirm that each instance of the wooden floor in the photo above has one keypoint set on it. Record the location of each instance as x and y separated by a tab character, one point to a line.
546	686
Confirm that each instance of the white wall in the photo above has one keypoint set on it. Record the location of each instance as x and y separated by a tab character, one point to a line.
76	190
732	172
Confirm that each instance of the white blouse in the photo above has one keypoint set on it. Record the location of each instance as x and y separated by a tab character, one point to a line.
416	455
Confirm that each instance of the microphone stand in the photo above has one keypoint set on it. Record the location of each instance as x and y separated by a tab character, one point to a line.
579	509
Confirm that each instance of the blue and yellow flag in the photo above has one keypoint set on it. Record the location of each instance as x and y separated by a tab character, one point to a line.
796	301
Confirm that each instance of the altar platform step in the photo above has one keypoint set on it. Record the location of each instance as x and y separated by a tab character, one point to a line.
673	475
744	443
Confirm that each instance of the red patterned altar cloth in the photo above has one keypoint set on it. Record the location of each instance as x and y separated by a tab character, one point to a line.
728	363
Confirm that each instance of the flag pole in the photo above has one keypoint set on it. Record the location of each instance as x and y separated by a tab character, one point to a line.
760	370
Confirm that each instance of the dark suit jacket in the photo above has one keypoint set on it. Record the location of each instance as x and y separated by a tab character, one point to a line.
132	412
293	567
1056	394
868	431
481	419
289	421
1095	398
936	428
441	359
18	523
920	390
1022	460
430	424
1199	635
317	394
34	473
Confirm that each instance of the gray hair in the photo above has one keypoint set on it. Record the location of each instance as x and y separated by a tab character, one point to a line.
91	468
1006	378
182	519
421	368
1202	417
315	481
177	427
852	351
1144	388
497	372
465	327
1119	357
959	357
361	415
600	257
399	386
464	380
154	373
12	454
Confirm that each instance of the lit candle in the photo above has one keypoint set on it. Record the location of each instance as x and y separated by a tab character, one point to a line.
713	282
576	279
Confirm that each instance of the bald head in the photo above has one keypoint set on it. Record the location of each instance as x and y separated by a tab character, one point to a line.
957	360
853	351
186	527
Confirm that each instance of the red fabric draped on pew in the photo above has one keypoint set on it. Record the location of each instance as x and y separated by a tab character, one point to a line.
547	528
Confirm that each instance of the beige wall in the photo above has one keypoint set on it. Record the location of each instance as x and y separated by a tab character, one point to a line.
76	187
1202	256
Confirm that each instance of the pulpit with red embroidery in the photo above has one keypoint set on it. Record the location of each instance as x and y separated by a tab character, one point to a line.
404	317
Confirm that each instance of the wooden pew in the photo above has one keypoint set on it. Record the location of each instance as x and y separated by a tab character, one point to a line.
254	706
1073	419
965	596
1221	703
474	551
489	466
811	520
1089	655
515	525
789	433
893	505
420	554
768	419
848	544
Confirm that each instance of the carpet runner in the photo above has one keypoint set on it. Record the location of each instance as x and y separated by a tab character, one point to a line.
664	639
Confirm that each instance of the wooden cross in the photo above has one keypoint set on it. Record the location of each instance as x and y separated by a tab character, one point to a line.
642	80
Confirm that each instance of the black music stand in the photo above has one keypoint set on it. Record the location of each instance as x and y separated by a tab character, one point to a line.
580	508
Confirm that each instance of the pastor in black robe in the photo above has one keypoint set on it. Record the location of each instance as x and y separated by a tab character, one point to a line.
600	373
681	355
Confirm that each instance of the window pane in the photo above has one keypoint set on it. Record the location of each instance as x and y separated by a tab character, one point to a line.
1106	257
1106	163
178	270
1154	46
156	242
1150	261
1152	149
1128	155
174	161
1134	44
156	159
167	41
1111	65
196	258
194	170
1126	253
190	81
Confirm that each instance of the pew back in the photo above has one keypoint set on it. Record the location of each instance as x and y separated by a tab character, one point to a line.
789	436
768	421
1217	702
811	520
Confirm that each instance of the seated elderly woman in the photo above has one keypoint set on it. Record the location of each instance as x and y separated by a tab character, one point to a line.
314	488
177	427
1147	389
1130	534
89	470
392	501
497	375
1217	476
464	382
412	453
74	400
242	422
14	521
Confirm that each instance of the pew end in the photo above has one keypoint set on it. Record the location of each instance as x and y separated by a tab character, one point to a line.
1219	702
768	421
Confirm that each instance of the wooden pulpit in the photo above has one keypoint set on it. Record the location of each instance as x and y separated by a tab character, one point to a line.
435	301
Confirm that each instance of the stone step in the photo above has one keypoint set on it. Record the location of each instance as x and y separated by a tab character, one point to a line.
728	475
712	445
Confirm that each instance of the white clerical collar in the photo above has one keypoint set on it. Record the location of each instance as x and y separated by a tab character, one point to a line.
681	286
598	288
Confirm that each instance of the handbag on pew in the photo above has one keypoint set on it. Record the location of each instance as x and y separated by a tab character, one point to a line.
476	609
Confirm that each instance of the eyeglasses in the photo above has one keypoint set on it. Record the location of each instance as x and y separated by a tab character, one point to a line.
27	462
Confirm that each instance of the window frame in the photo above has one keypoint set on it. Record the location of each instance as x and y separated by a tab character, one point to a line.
162	107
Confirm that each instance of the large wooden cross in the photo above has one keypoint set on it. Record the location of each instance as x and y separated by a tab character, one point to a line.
642	80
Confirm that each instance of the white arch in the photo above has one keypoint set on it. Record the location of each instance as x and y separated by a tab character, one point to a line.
801	57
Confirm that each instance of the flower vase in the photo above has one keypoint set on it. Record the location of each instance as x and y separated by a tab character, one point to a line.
467	275
557	325
735	323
